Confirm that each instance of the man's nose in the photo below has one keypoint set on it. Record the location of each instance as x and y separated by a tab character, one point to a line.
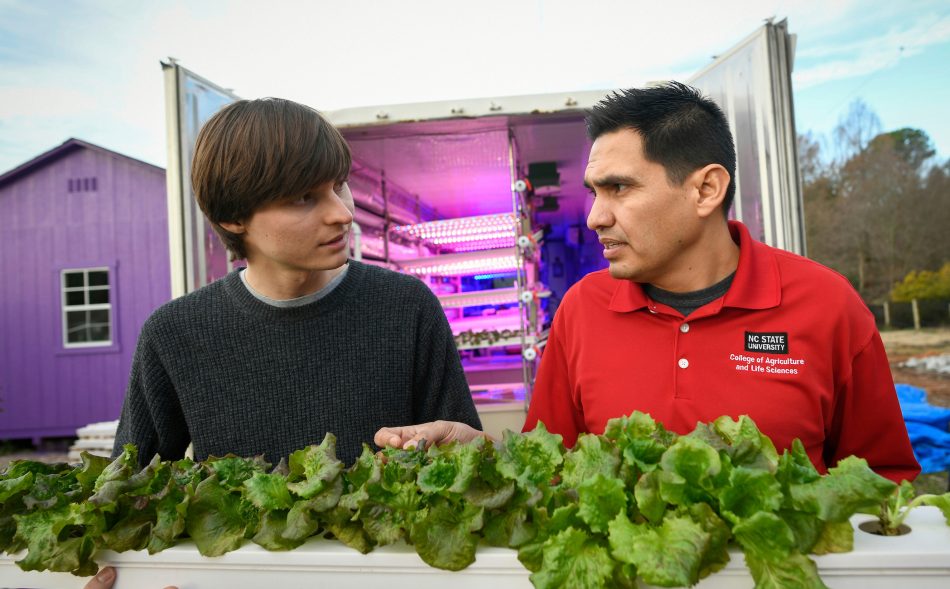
599	215
341	214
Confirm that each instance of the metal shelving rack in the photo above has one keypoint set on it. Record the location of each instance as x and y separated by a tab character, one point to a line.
485	244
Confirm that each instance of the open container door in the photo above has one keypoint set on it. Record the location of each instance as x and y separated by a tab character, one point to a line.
752	83
197	256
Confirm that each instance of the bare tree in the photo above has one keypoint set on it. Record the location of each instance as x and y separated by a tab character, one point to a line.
855	130
878	209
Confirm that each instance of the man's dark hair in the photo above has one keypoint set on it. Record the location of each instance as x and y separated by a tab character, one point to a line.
254	152
681	129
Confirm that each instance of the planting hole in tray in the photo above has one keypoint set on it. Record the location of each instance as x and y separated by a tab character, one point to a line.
874	527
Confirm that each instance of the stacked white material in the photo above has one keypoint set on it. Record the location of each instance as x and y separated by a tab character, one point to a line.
939	364
95	438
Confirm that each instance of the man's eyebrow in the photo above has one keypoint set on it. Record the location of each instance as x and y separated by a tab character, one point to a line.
610	180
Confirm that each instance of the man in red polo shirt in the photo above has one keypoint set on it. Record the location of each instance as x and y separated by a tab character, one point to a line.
694	319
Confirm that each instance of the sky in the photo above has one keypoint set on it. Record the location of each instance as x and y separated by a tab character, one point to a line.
90	69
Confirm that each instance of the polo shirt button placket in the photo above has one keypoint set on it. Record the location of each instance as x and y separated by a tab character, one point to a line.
681	379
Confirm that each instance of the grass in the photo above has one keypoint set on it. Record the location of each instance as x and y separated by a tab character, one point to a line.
932	483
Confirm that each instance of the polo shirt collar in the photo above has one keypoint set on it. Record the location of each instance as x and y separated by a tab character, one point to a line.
757	284
628	296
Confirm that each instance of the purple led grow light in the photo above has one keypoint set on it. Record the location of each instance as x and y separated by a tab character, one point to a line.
466	233
464	264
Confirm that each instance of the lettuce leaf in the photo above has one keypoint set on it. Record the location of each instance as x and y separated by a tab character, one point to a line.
849	487
531	460
668	555
600	500
591	455
216	518
268	491
61	539
641	442
451	468
443	533
312	469
796	571
749	491
573	559
941	502
691	472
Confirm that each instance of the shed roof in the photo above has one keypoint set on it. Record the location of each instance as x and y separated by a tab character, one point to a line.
68	146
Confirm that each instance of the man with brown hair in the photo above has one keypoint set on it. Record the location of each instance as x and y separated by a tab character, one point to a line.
302	342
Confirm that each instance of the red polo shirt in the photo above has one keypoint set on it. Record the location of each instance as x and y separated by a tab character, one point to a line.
790	344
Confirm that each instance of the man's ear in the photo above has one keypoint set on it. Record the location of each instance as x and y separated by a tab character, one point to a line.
233	227
710	183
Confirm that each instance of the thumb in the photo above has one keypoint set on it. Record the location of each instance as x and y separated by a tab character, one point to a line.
104	579
391	437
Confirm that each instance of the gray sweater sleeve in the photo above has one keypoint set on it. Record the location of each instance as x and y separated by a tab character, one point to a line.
440	388
151	416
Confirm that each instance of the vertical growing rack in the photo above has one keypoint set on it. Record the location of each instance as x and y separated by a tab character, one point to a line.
484	272
451	201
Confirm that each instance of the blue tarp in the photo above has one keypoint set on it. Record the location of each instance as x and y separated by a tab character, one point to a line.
927	426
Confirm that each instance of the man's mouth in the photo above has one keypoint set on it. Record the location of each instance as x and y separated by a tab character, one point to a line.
610	244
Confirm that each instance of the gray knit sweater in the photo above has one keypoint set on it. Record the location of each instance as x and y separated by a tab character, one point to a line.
234	375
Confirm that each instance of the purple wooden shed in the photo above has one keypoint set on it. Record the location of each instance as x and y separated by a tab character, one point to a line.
83	262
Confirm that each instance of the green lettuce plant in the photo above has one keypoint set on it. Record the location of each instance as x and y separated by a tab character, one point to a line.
895	509
635	504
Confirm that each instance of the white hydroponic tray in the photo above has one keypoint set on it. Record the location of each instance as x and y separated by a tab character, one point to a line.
920	560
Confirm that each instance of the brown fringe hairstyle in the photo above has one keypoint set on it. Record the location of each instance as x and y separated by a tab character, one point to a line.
254	152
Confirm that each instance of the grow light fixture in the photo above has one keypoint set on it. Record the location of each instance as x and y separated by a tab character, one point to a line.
449	238
493	275
447	232
464	264
481	244
373	246
498	296
503	320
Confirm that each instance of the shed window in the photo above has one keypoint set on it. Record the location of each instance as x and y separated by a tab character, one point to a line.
87	307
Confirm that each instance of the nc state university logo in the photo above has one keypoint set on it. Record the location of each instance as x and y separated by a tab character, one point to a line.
767	342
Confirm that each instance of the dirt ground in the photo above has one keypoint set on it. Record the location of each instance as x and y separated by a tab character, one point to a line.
907	343
10	452
904	344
